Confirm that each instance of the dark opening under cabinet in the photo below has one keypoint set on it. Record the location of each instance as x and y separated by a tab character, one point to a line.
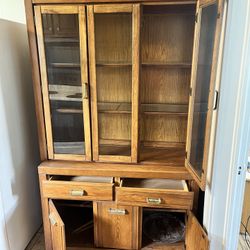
126	94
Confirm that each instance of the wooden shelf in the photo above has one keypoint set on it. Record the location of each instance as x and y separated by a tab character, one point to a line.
172	156
114	64
65	93
65	65
76	148
61	40
167	64
146	108
114	107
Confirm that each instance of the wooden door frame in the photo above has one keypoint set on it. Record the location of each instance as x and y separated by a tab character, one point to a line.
134	9
63	9
201	181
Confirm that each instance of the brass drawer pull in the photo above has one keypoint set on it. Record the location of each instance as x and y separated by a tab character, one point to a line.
117	211
153	200
77	192
52	220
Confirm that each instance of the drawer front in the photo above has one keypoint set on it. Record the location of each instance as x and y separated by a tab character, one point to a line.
72	190
155	198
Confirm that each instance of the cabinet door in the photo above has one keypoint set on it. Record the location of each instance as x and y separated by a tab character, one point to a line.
203	97
196	237
113	33
63	66
57	228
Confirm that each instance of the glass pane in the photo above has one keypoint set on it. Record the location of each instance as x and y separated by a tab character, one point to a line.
113	44
166	51
61	35
207	33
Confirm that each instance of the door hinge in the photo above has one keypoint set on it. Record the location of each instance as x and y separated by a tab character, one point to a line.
239	170
218	15
190	91
186	154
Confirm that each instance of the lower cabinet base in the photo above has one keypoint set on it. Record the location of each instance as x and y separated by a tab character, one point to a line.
87	225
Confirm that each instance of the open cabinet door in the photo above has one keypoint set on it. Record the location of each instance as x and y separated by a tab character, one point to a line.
196	237
203	95
57	228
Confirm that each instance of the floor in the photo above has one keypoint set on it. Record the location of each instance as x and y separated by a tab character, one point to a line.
37	243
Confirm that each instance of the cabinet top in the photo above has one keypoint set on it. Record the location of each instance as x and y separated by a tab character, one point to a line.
111	1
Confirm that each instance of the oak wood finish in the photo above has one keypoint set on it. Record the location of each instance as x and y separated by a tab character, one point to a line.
57	228
36	78
202	180
118	170
148	197
113	230
45	213
44	81
65	189
196	237
84	78
114	1
136	16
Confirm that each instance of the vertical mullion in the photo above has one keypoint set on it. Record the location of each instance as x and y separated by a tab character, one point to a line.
136	14
84	80
45	90
93	87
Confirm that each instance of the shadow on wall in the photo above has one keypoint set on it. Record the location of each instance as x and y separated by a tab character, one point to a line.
19	154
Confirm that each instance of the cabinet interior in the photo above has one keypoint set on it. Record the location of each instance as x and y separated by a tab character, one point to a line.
78	223
166	51
155	184
149	229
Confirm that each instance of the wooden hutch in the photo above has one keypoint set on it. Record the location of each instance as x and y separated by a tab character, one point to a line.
125	96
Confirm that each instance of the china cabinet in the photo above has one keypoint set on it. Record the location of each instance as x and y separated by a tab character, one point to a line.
125	96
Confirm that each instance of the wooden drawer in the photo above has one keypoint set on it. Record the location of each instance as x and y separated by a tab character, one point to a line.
158	193
116	226
78	188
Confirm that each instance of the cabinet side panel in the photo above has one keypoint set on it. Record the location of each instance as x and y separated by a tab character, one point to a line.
36	79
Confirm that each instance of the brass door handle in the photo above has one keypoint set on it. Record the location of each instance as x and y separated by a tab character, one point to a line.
153	200
115	211
85	90
77	192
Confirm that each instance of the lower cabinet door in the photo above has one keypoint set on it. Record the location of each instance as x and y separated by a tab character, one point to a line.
57	228
117	226
196	237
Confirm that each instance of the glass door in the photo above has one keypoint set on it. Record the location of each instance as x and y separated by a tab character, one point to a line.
61	34
203	97
114	77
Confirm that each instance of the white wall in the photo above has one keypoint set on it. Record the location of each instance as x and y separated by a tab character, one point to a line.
20	214
224	197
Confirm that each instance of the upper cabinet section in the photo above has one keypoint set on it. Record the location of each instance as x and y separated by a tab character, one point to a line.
116	81
113	32
64	76
203	99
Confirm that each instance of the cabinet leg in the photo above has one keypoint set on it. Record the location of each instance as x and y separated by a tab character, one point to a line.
45	213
